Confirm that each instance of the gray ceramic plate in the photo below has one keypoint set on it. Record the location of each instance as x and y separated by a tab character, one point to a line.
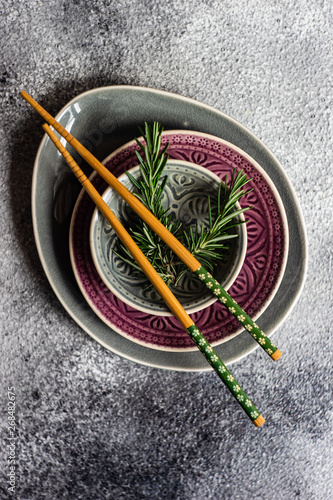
104	119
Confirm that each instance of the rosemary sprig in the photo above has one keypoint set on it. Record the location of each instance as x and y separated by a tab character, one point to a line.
205	243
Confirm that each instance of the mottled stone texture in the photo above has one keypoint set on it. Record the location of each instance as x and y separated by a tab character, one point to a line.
91	425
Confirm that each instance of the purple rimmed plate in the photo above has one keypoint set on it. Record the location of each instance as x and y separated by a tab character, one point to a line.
258	280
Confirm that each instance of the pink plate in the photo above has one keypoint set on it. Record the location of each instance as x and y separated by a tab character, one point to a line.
258	280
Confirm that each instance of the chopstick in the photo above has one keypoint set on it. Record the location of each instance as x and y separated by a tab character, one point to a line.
193	264
171	301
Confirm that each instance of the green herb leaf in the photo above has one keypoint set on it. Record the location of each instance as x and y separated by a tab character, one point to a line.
205	243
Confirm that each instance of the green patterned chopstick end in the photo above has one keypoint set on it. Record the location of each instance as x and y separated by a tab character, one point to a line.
238	313
225	375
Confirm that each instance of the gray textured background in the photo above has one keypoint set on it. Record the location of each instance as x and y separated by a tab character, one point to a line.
90	424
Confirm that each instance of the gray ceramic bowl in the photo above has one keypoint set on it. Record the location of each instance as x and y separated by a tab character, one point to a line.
186	195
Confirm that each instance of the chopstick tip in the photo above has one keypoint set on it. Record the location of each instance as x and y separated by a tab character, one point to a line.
259	421
28	98
276	355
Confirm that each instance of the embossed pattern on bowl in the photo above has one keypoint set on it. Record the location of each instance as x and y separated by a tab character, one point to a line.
186	195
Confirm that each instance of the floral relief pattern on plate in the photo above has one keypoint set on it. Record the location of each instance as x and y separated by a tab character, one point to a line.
257	281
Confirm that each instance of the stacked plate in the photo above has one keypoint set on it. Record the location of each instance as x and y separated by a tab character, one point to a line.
273	271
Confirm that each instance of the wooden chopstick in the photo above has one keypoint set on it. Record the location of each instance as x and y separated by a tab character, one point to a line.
162	288
193	264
